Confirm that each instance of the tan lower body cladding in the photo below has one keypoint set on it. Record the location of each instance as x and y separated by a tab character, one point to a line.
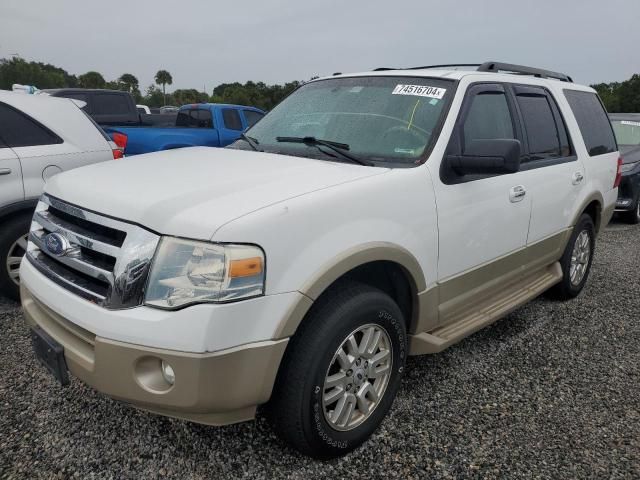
462	305
212	388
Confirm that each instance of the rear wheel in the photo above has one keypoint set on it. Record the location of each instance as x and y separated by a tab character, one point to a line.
576	260
13	246
341	372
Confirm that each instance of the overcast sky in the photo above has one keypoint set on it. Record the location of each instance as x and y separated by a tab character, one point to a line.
205	43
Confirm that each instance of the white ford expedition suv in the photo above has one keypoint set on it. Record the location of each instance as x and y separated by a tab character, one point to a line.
366	218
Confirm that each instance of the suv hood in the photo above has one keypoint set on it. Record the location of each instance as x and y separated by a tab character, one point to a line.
191	192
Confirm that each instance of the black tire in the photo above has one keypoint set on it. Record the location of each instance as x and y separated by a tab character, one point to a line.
296	408
10	231
567	289
633	216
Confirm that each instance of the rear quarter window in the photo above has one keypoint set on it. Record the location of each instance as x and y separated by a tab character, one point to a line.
20	130
593	121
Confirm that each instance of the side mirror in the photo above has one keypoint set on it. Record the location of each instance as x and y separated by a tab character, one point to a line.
495	156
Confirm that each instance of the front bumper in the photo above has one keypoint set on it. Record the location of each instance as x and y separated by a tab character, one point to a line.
212	388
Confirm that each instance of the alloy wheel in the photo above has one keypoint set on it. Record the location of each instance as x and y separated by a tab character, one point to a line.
580	258
357	377
14	258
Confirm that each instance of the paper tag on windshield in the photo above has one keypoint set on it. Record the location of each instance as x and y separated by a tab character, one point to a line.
419	91
633	124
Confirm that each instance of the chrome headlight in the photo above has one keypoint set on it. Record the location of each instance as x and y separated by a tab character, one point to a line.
627	167
186	272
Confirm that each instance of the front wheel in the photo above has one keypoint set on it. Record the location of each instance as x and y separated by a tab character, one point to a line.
13	246
576	260
341	372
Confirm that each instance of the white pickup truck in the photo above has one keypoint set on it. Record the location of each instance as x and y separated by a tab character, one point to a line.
366	218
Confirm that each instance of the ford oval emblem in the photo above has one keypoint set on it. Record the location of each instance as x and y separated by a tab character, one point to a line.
56	244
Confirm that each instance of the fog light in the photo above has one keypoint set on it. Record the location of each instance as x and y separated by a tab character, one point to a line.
167	373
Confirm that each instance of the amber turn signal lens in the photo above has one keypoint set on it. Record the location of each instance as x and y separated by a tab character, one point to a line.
247	267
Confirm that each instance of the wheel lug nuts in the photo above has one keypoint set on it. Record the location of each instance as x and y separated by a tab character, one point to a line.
349	372
358	362
349	387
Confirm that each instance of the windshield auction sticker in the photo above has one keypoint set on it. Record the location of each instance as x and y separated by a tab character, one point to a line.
420	91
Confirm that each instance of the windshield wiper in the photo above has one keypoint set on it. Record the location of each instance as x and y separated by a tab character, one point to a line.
253	143
337	147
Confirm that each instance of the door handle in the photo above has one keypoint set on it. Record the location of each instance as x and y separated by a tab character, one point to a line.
5	171
517	193
577	178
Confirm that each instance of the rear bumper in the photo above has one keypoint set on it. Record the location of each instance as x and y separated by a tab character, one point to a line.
628	192
212	388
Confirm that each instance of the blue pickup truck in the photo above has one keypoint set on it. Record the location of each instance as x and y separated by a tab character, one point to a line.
200	124
205	124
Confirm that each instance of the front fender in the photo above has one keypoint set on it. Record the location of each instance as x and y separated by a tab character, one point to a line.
340	265
312	240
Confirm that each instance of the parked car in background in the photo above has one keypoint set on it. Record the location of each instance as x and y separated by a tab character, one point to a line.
169	109
200	124
366	218
106	107
627	129
39	137
143	109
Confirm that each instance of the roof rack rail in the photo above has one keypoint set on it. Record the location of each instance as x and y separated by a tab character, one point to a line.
448	65
494	67
522	70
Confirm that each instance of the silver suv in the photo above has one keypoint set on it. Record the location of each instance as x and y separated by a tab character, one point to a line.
40	136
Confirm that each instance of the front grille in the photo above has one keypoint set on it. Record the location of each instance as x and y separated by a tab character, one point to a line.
104	260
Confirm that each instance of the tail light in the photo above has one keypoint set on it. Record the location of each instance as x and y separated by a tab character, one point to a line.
616	184
116	150
121	140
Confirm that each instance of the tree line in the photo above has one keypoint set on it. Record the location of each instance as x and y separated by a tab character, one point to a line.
45	75
623	97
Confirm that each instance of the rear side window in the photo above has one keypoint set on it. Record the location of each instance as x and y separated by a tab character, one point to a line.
593	122
196	118
488	118
20	130
231	119
109	104
545	131
252	117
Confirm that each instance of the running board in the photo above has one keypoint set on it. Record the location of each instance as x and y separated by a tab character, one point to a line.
486	312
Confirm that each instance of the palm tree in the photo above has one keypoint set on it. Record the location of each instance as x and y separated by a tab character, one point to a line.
164	78
129	81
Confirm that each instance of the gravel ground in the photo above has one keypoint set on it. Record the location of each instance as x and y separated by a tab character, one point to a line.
552	391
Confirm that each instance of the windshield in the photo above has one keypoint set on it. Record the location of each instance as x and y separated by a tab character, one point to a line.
386	119
627	131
